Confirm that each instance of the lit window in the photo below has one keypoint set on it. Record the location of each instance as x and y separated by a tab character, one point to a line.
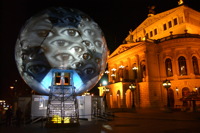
57	78
155	32
62	78
195	65
168	67
182	66
147	36
164	27
169	24
151	33
175	21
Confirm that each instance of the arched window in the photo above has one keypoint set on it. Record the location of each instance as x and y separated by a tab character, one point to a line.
182	66
195	65
168	67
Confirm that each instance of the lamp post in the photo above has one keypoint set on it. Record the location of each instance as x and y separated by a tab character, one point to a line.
121	67
167	84
135	72
135	78
177	90
113	74
104	82
106	90
197	90
132	87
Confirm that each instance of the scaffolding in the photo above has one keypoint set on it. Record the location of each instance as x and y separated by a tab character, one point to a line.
62	108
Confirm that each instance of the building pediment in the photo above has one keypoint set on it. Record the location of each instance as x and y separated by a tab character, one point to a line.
150	20
160	25
122	48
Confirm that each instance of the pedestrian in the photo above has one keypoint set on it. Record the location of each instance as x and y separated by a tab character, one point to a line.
9	116
1	113
18	117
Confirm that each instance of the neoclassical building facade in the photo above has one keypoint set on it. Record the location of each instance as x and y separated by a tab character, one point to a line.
164	46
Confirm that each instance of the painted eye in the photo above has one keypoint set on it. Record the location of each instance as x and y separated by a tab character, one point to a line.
71	19
85	18
36	69
98	43
95	25
86	43
76	65
86	56
89	71
44	33
60	43
71	32
76	49
98	60
89	32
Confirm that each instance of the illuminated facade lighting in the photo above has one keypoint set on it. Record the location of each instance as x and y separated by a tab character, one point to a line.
121	66
107	72
135	68
113	69
176	89
148	70
104	83
112	75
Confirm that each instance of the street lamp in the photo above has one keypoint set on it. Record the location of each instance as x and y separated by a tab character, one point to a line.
134	68
104	83
135	72
176	90
106	90
167	84
113	74
132	87
121	67
107	72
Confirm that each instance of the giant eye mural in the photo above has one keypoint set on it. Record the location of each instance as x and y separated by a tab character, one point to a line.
61	38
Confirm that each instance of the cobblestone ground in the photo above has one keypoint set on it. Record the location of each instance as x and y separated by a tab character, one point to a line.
141	121
156	122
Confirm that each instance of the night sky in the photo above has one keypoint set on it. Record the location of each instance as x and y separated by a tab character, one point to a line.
115	17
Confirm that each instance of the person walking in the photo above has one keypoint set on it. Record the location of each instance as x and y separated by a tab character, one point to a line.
9	116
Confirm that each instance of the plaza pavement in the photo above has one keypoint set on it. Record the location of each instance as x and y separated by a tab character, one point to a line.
139	121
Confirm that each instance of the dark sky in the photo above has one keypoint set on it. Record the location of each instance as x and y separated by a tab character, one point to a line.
115	17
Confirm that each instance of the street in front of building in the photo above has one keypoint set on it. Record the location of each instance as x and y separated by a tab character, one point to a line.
140	121
147	121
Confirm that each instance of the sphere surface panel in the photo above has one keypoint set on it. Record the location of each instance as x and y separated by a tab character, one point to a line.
61	38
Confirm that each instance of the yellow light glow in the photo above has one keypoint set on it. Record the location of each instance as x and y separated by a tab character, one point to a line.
134	68
113	69
66	120
180	2
106	71
112	75
57	119
86	94
11	87
121	66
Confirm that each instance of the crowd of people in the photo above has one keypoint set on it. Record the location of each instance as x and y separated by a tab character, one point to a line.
11	118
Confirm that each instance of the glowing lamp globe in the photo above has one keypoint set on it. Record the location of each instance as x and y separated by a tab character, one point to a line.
63	39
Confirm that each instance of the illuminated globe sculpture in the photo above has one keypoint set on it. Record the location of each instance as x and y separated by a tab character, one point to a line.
64	39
